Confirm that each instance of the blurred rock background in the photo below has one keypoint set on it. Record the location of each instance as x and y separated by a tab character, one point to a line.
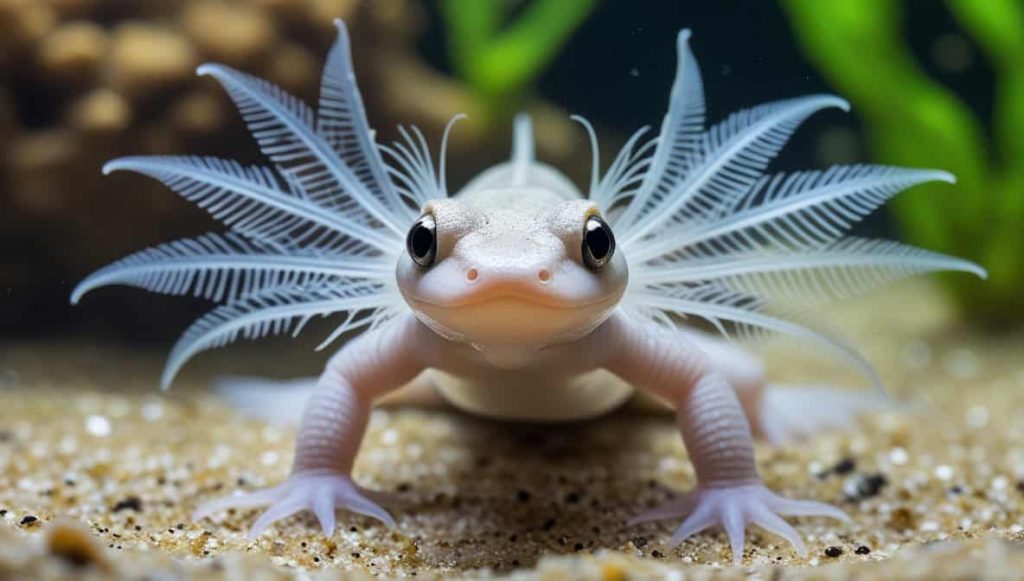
83	81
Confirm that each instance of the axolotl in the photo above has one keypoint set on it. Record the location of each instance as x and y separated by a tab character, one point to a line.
520	297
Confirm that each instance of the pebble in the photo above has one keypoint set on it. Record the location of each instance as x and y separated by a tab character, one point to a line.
898	456
74	544
864	486
152	410
98	426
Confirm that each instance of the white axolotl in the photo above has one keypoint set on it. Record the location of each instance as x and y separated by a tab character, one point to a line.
520	298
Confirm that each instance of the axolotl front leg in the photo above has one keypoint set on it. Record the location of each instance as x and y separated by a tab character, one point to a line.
332	428
715	430
729	492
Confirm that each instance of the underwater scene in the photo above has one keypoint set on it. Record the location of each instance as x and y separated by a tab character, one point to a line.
530	289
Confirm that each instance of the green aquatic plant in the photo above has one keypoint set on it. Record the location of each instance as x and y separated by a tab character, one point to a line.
499	54
914	120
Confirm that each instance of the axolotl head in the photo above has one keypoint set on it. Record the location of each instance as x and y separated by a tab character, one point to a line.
511	271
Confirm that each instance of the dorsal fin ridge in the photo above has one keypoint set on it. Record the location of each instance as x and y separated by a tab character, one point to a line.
523	154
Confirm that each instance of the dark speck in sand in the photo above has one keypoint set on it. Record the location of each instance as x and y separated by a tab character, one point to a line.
844	466
129	503
866	486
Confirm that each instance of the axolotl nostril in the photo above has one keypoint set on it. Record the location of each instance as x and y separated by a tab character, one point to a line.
522	298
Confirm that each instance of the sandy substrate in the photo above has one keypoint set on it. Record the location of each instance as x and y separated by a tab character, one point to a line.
99	471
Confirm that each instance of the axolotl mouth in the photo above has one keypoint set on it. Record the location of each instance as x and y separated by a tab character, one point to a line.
506	319
518	293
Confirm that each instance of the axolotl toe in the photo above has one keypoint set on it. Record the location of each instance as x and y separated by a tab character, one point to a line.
522	298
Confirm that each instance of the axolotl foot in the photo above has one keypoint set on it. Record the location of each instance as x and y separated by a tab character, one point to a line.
320	492
734	508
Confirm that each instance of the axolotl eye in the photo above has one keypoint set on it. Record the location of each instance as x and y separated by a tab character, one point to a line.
598	243
421	242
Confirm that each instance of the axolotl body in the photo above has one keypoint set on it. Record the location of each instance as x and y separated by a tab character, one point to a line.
521	298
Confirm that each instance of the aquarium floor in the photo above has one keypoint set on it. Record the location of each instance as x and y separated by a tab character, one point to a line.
98	473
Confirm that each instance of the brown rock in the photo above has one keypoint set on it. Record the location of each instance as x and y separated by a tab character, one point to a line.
72	543
235	34
73	52
102	111
902	519
22	24
147	59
